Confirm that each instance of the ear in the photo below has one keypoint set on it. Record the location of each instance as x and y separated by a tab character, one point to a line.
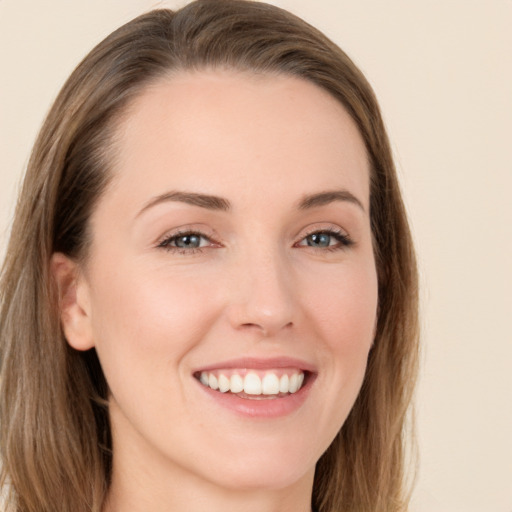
73	296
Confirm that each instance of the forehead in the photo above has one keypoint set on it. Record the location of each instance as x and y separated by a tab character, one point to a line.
222	131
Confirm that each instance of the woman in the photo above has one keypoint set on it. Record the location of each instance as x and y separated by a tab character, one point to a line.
209	297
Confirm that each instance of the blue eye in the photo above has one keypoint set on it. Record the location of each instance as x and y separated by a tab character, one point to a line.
191	241
326	239
319	240
185	242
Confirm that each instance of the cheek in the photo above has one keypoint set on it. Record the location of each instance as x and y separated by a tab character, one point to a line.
149	319
344	316
346	306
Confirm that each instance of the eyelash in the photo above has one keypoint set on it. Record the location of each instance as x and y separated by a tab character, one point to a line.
167	241
344	241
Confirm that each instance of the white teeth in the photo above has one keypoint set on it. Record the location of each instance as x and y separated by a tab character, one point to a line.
294	383
284	384
212	381
253	384
270	384
204	378
223	383
236	383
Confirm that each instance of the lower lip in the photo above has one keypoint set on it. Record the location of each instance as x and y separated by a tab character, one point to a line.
261	408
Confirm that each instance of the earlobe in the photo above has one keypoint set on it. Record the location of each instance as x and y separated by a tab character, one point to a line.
72	302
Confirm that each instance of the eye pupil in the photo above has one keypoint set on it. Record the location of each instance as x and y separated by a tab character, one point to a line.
319	240
188	241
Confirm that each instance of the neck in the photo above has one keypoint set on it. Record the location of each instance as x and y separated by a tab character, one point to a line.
139	493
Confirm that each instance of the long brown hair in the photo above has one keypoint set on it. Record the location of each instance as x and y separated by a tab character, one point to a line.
55	434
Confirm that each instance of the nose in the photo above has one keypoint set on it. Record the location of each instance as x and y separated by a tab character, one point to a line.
262	295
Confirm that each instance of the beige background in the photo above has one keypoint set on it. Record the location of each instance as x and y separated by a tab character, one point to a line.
442	70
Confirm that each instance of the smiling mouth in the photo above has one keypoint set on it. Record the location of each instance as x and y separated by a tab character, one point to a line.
254	384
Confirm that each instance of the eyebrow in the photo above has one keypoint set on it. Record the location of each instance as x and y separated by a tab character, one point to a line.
192	198
329	196
220	204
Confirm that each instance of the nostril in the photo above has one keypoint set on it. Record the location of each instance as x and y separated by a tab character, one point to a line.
254	327
265	328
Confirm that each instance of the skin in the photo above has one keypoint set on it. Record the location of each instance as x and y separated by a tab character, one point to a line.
255	288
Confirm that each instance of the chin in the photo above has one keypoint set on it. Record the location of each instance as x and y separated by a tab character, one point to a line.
272	478
264	469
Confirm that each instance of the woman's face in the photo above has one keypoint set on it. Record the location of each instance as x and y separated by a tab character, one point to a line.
232	249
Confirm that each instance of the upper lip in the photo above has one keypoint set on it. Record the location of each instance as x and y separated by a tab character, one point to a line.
258	363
